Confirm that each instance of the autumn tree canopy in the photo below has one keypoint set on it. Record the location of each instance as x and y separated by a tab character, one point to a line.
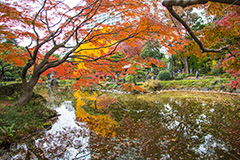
55	27
220	39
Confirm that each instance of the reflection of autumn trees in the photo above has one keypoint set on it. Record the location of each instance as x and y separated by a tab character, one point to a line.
102	124
95	99
180	128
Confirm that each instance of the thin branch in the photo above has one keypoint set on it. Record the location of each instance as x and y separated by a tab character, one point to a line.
30	54
35	18
50	65
88	18
77	15
49	30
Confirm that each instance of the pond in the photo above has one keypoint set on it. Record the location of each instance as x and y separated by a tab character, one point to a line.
167	125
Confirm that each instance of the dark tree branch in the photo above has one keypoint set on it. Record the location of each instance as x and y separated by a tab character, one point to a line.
175	15
185	3
35	18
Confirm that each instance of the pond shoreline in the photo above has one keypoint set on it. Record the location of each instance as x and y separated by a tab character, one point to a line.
172	90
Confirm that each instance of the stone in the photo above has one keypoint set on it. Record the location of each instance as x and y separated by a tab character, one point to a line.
212	82
212	87
222	87
218	81
54	83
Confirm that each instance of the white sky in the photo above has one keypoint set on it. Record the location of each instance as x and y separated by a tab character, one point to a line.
70	3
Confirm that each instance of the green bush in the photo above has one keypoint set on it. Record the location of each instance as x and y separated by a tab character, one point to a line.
181	76
191	75
153	85
164	75
178	78
130	78
216	71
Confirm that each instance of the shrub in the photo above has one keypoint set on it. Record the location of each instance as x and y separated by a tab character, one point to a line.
225	75
153	84
164	75
178	78
191	75
216	71
130	78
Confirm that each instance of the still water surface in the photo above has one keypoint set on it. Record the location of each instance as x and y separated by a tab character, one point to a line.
133	127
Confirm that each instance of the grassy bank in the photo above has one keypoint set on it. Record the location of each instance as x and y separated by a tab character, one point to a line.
18	122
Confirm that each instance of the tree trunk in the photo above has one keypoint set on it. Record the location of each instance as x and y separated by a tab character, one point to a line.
172	67
26	96
27	91
186	65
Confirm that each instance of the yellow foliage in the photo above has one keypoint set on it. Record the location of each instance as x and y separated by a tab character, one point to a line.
93	50
214	62
103	125
85	96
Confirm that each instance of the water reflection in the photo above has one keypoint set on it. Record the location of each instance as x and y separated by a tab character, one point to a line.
101	124
138	127
166	128
66	139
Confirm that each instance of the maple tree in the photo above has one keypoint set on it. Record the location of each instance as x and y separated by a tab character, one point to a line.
125	63
8	61
57	28
12	15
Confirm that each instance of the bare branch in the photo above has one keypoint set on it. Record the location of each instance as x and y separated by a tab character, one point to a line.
50	65
77	15
30	54
35	18
88	18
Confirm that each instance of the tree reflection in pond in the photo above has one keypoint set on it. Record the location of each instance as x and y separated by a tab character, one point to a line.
164	128
102	124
